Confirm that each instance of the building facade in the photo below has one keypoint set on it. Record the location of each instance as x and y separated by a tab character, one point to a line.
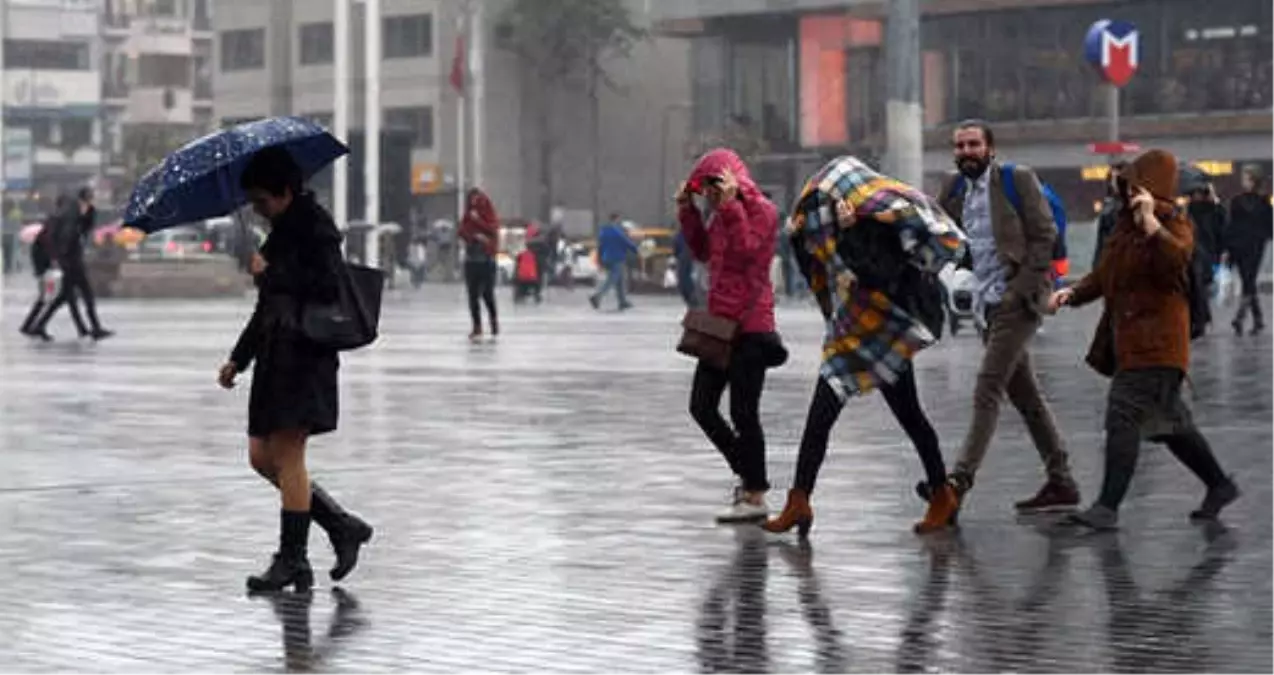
156	79
51	99
276	59
805	79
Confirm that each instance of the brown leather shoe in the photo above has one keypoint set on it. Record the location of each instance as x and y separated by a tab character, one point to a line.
943	506
1054	496
796	513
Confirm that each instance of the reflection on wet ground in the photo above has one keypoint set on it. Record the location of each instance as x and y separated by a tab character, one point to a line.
546	504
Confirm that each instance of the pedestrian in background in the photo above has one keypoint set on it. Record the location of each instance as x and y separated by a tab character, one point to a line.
294	392
73	222
1246	237
48	278
1109	209
733	230
480	232
614	246
1143	339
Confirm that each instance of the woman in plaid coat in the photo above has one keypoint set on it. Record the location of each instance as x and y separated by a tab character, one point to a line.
870	247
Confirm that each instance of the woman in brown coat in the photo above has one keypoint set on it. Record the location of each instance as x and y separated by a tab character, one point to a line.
1143	339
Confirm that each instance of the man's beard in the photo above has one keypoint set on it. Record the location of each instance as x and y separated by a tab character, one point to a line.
973	167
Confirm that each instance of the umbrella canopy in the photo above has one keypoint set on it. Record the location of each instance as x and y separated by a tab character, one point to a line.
201	180
1192	178
28	233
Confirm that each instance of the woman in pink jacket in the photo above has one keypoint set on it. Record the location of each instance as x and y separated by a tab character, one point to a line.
733	230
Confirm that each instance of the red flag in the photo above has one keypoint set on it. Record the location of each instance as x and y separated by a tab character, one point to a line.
458	66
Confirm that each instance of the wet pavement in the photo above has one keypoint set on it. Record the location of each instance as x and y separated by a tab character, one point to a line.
546	504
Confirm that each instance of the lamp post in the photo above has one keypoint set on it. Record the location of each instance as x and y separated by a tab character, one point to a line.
371	125
340	109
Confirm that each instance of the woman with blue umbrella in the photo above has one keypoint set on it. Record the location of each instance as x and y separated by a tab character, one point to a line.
294	383
294	391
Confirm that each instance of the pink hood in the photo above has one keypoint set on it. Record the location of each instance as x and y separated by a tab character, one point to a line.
714	162
737	244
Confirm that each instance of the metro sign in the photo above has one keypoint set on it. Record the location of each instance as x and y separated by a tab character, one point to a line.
1111	47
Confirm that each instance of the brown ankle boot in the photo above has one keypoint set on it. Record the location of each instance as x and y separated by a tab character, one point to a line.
796	513
943	505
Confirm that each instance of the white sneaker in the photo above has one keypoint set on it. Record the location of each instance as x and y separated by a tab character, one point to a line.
741	510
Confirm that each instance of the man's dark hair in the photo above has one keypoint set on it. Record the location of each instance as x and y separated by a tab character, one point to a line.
85	194
1118	165
272	170
983	126
614	215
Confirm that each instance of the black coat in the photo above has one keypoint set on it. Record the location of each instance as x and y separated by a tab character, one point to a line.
1209	229
294	383
1249	229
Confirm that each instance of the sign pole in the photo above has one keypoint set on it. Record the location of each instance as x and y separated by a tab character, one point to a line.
1112	106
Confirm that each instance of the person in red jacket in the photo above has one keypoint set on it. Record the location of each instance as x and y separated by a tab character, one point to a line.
480	232
735	236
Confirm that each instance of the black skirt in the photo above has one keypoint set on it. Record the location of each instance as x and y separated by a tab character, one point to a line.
294	384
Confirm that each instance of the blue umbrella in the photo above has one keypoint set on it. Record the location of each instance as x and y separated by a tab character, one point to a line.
201	180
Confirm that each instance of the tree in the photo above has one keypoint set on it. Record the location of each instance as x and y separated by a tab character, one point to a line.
564	47
145	146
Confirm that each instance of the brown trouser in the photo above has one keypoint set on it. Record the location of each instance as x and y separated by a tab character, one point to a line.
1006	369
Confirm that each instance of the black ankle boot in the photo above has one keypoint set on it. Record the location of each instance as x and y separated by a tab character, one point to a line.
346	531
290	566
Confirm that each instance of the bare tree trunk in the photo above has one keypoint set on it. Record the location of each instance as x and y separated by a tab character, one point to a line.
546	154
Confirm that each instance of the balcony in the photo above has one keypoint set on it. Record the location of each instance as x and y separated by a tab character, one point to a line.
115	91
160	105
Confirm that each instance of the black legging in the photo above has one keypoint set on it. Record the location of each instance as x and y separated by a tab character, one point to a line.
743	446
479	278
904	403
1249	268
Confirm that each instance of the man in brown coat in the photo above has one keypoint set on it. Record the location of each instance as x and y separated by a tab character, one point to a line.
1012	250
1143	339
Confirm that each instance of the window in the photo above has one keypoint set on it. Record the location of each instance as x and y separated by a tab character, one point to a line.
164	8
163	70
46	55
407	36
243	49
323	119
228	122
77	133
418	121
316	43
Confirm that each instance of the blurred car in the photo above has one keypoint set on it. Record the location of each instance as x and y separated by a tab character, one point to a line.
654	249
579	261
178	243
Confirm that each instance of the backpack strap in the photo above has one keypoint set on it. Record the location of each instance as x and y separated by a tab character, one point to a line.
958	187
1010	186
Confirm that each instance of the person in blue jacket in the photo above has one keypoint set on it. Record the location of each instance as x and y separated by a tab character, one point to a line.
613	248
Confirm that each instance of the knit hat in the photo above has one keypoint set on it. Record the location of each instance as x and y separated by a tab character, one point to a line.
1156	172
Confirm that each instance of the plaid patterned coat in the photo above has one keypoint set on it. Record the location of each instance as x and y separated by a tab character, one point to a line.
869	339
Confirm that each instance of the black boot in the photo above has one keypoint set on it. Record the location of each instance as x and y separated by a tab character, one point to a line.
346	531
290	566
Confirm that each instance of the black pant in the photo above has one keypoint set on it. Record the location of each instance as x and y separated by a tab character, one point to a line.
904	403
74	285
479	279
1249	268
743	446
1149	401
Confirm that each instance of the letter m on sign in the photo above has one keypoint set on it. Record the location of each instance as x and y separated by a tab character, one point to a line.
1111	47
1119	57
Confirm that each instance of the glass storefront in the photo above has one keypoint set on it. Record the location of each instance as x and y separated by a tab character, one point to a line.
1028	64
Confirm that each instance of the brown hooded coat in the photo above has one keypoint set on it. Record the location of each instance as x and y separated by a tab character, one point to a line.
1143	280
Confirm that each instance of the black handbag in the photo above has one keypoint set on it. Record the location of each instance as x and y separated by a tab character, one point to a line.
352	321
